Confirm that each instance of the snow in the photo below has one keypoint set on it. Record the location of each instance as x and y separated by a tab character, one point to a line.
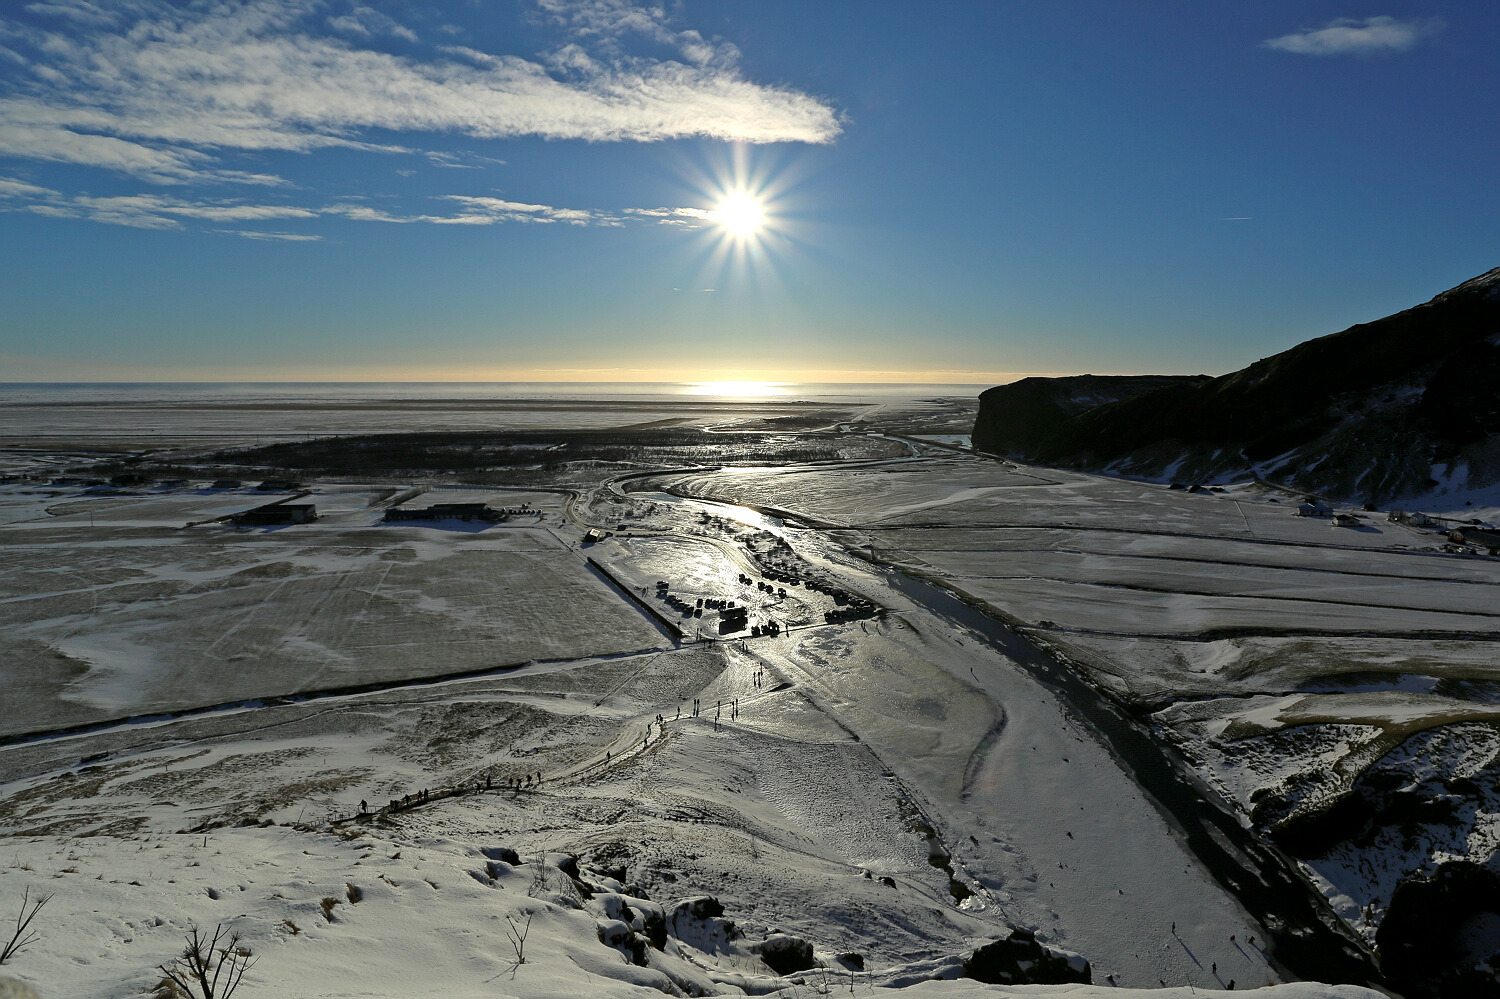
891	787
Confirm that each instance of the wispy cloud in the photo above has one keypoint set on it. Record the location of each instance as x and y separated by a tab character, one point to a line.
163	92
155	211
365	22
687	218
141	211
1352	36
284	237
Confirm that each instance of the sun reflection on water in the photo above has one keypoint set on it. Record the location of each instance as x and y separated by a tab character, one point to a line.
738	390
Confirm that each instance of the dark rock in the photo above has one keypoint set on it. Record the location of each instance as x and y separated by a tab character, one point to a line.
1020	960
1422	939
852	960
786	955
699	907
654	925
504	853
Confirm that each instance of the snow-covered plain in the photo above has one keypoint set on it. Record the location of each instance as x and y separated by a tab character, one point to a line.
891	788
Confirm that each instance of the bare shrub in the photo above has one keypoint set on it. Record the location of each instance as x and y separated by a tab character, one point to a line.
205	969
355	895
291	927
24	936
516	932
328	904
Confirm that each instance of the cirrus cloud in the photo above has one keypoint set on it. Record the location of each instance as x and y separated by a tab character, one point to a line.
156	211
163	93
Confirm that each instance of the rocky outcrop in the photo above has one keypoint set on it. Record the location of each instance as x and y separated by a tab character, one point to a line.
1020	959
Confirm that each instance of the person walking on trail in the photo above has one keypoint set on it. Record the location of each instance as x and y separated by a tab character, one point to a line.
364	806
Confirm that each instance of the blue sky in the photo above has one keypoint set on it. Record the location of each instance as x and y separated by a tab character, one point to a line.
530	189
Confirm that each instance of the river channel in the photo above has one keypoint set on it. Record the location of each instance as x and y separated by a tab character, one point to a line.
1306	937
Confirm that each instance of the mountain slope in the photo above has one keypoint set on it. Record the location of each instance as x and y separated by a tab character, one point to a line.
1366	413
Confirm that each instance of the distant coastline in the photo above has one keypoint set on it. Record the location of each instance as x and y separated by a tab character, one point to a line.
22	393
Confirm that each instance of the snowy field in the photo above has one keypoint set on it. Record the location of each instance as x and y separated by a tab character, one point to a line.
138	615
878	797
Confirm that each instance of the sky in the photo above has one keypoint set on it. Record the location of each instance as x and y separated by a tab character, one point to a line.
601	190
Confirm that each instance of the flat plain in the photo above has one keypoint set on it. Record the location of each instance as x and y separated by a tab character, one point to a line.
546	726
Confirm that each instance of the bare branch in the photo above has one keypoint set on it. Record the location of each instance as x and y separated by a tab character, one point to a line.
24	936
205	970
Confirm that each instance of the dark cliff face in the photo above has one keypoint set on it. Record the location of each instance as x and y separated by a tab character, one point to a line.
1364	413
1022	417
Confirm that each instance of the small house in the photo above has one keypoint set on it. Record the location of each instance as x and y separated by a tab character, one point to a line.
1314	508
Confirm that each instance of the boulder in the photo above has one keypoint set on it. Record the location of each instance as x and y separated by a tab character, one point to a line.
786	954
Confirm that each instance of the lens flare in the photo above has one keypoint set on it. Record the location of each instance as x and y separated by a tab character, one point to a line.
741	214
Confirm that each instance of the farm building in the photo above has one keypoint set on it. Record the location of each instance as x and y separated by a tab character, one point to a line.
1478	537
445	511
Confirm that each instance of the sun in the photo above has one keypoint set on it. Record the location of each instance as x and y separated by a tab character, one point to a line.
742	215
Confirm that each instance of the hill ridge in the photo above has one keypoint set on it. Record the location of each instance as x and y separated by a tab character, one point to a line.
1381	411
